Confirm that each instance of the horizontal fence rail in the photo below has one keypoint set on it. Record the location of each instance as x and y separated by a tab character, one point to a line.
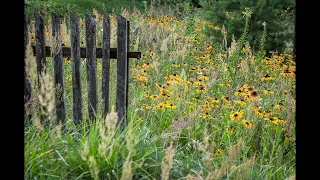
66	52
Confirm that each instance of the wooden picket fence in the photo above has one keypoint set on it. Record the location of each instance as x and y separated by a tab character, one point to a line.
90	52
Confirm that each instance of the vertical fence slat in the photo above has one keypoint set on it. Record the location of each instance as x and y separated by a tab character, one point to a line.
40	45
58	69
105	64
121	71
76	77
27	85
128	48
91	65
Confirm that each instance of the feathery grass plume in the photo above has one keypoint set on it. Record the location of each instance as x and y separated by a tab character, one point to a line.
56	44
46	99
256	138
65	37
207	149
30	65
233	153
125	13
107	137
292	177
167	161
180	124
85	150
56	131
89	160
261	51
164	46
247	14
244	68
243	170
224	34
127	169
196	176
213	77
233	47
94	170
37	122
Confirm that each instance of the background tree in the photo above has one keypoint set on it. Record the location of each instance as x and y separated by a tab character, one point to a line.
278	15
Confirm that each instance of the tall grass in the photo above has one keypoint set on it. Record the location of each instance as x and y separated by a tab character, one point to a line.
197	110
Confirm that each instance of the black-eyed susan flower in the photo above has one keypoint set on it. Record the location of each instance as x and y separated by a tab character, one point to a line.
174	77
197	99
236	115
160	106
214	100
280	106
267	92
267	113
170	106
250	89
175	65
69	78
154	97
218	152
267	78
199	82
225	99
201	89
231	130
145	106
204	77
241	102
287	136
253	94
147	66
140	120
246	124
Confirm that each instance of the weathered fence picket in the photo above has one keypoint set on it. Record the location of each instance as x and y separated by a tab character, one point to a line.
121	102
91	53
105	64
76	76
91	65
58	69
40	45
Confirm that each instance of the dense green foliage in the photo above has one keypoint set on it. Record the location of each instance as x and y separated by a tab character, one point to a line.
81	7
278	15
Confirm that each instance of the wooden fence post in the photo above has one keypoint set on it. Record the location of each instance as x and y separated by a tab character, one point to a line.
91	65
128	49
58	69
40	45
76	76
122	51
105	64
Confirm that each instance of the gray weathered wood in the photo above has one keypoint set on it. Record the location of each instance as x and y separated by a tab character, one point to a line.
66	52
58	70
105	64
76	77
128	49
91	65
121	71
40	45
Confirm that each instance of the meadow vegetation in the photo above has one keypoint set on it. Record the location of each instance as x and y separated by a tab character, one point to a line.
198	109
